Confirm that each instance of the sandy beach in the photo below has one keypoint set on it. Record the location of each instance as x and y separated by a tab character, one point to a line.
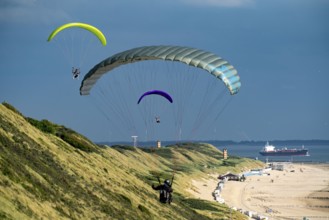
300	190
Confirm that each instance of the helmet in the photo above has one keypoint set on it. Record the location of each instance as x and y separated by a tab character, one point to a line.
167	182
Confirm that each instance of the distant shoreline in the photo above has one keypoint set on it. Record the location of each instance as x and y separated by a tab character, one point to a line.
224	142
293	162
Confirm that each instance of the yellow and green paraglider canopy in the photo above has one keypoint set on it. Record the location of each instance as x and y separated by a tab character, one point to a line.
88	27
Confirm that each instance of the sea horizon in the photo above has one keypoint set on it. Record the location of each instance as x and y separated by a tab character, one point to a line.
318	149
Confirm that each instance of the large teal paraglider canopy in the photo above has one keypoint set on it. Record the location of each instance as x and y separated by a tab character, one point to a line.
210	62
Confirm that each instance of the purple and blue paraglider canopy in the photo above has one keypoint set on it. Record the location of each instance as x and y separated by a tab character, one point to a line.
156	92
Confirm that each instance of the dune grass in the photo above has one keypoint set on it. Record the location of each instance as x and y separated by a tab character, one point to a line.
48	171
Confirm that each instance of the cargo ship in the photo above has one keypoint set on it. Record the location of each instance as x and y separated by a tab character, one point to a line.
269	150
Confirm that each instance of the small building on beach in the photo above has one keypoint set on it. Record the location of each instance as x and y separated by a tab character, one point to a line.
278	166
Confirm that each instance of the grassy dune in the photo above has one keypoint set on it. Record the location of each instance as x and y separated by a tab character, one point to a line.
48	171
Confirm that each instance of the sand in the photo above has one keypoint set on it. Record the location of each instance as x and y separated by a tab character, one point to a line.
300	190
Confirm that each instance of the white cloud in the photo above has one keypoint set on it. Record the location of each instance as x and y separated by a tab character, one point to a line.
221	3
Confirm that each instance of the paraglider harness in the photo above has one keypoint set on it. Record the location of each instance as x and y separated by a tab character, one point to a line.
165	191
75	72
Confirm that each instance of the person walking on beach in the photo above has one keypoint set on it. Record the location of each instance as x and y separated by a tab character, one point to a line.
165	191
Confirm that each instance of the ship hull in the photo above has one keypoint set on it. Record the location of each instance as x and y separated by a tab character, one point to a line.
285	153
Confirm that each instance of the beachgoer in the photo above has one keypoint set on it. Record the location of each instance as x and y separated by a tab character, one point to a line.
157	119
165	191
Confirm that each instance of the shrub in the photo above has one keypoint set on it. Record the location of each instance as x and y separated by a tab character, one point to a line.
43	125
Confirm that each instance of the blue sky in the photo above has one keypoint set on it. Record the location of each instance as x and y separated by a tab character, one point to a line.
280	49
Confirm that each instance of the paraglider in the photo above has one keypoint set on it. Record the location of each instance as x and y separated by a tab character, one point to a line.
156	92
165	191
87	27
210	62
75	73
196	78
69	50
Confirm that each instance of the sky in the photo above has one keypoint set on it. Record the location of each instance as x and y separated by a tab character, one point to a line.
279	48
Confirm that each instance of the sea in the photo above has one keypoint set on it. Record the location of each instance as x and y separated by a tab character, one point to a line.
318	153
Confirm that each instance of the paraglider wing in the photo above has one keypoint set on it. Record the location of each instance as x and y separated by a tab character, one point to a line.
210	62
88	27
156	92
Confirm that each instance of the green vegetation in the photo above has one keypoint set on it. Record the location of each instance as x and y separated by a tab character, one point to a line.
43	125
48	171
66	134
123	148
12	108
